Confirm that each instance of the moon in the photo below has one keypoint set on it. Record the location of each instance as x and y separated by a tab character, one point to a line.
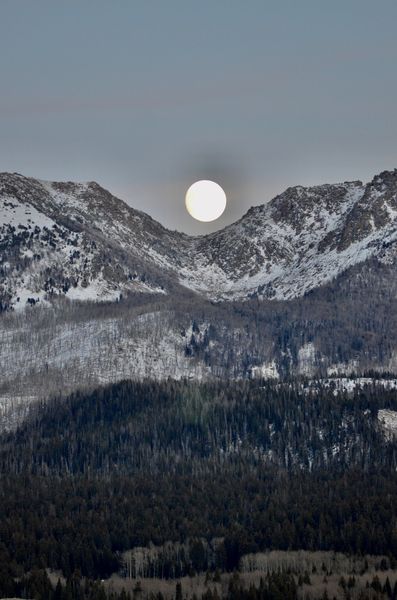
205	200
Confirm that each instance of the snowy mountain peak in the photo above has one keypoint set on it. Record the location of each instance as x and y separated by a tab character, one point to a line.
78	240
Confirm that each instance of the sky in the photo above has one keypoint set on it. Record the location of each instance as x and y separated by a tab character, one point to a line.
146	97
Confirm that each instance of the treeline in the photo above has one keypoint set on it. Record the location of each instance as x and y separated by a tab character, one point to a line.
275	586
350	324
81	523
37	585
181	427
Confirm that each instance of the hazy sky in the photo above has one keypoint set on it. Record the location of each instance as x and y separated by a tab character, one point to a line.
147	96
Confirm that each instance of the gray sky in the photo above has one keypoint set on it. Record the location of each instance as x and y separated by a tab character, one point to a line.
147	96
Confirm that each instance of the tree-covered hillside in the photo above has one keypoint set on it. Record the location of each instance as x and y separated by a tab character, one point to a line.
234	468
179	427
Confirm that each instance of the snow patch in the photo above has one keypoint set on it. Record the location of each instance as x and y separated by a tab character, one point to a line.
268	370
306	359
388	420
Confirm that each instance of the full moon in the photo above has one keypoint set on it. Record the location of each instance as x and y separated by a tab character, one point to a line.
205	200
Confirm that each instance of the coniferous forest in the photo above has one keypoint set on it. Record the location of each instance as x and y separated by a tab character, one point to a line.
222	470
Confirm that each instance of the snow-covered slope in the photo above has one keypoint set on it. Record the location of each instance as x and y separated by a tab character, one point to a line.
71	239
300	240
80	241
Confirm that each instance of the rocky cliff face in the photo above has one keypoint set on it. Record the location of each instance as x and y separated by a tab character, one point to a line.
80	241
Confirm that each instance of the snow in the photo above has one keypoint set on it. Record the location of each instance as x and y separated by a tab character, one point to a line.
47	246
96	290
14	213
63	199
23	294
289	277
262	253
268	370
266	252
346	384
13	409
303	267
342	368
306	359
392	212
388	420
55	358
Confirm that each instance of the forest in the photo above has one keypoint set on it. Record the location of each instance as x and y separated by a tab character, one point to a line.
227	469
347	326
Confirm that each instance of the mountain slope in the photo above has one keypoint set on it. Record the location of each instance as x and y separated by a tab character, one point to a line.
166	427
80	241
308	284
73	239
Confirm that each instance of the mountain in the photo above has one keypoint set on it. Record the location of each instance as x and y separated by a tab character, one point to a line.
80	241
93	291
109	464
77	240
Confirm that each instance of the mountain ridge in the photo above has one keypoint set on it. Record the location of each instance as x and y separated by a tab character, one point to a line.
304	286
102	248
